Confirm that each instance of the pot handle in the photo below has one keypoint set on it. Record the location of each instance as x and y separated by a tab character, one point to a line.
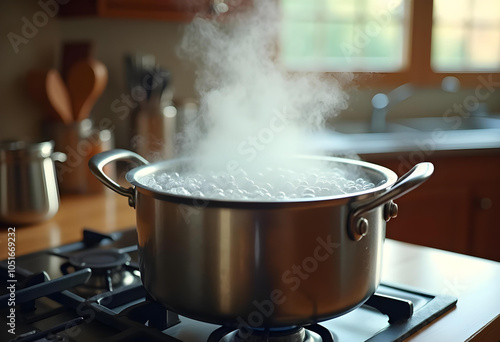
98	161
358	225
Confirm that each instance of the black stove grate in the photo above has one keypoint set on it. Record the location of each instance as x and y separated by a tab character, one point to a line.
130	314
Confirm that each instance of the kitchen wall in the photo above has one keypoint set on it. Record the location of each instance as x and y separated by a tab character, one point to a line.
20	118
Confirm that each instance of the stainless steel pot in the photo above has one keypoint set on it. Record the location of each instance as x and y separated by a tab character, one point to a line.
28	185
255	264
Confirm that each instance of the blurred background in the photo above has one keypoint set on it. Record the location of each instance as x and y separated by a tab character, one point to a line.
400	40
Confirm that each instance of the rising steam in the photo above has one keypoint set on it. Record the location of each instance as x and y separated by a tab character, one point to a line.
252	111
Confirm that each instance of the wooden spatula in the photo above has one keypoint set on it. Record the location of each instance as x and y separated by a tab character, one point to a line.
87	80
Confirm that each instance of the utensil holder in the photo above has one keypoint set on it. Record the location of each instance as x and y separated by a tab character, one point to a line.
80	141
155	125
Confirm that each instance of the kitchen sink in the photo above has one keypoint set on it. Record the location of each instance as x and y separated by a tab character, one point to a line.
451	123
416	125
409	134
362	127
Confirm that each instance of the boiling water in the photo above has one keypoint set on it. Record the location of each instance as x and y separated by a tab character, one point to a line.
268	185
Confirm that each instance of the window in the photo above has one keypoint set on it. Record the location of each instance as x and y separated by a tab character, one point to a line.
418	41
347	35
466	35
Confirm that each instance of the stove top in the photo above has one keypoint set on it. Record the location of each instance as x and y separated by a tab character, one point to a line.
91	290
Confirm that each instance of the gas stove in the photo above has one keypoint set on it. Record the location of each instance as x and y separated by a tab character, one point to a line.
92	290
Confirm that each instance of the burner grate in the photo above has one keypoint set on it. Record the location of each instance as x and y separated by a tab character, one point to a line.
127	313
296	334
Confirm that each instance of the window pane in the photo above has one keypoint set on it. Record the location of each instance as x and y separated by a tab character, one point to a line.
298	39
385	43
447	48
298	6
451	11
466	35
337	36
484	47
376	7
348	35
345	8
486	11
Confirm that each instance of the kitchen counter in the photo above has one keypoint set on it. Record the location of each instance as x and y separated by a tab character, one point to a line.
106	212
397	142
476	282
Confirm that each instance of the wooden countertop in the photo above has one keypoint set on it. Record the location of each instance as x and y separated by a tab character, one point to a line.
104	212
476	282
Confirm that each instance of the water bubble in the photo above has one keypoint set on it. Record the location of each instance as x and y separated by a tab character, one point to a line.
197	194
368	186
182	191
267	196
280	195
271	184
191	187
268	187
208	187
308	191
300	189
312	178
289	188
324	192
247	184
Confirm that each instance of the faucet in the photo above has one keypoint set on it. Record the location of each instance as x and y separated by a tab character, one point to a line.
382	102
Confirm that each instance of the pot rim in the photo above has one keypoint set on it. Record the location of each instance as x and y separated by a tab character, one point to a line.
389	176
20	150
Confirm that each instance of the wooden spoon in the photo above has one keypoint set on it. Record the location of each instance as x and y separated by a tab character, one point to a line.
48	88
87	80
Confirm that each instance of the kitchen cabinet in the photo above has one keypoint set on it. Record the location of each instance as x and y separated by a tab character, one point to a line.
457	208
170	10
485	238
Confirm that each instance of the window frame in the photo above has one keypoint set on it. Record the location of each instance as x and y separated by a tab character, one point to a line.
418	70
